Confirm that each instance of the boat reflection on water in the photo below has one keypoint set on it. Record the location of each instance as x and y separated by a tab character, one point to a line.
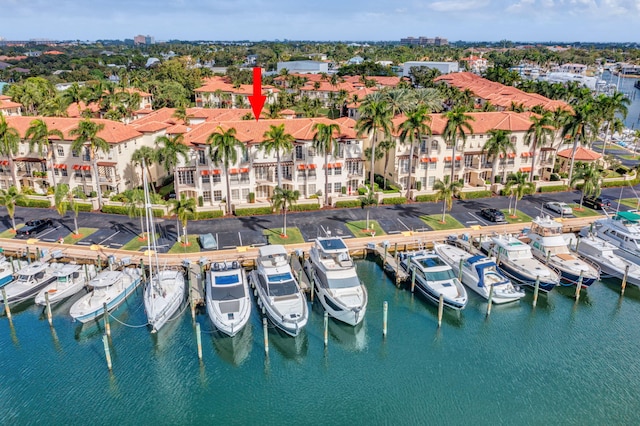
164	338
351	338
233	350
294	348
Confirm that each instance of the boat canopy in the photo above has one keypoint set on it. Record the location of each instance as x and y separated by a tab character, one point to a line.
474	259
491	266
332	244
277	278
105	279
431	262
222	280
628	216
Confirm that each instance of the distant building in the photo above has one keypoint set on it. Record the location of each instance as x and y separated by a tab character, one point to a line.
424	41
304	67
141	39
443	67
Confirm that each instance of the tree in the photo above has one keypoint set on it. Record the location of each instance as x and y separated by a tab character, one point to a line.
384	147
277	140
325	142
283	199
575	128
498	145
519	186
412	131
591	178
375	118
616	103
145	155
135	207
9	145
183	208
223	148
9	198
86	135
169	147
369	199
446	190
458	123
65	199
38	134
538	135
74	94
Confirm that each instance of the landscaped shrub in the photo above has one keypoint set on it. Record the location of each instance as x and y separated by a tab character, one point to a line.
362	190
554	188
418	185
619	182
394	200
209	214
472	195
391	189
554	177
30	202
426	198
82	207
348	203
623	170
124	210
253	211
304	207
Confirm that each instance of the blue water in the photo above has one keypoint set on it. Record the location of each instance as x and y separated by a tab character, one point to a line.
625	85
562	362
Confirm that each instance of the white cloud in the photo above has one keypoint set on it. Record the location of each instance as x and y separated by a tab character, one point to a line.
457	6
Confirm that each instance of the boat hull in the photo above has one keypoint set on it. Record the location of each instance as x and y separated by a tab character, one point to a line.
229	316
527	280
432	295
17	294
161	304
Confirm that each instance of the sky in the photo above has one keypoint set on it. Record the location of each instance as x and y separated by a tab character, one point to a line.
468	20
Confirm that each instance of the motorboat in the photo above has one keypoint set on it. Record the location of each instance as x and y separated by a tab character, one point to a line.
278	291
69	279
515	259
480	273
434	277
338	287
622	230
8	269
228	297
29	281
605	255
549	244
110	287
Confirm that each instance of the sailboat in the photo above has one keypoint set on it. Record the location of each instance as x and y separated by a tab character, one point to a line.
165	289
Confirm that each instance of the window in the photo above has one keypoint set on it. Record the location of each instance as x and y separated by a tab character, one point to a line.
340	153
205	179
311	174
312	188
244	177
514	140
337	171
119	149
202	159
60	151
433	165
185	177
75	154
432	181
423	166
235	194
87	154
299	153
206	196
245	193
216	179
434	144
217	195
64	172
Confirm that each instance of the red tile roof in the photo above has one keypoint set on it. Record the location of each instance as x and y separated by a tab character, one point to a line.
113	132
483	121
582	154
223	84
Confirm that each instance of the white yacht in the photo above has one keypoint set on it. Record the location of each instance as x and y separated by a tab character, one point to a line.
110	287
434	277
480	274
278	291
515	259
606	256
69	279
8	269
338	287
228	297
622	230
29	281
549	244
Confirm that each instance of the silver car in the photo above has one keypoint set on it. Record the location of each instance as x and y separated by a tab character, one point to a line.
559	207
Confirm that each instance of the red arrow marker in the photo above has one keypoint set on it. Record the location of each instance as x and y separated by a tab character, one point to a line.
257	100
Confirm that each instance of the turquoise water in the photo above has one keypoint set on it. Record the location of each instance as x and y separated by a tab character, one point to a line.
562	362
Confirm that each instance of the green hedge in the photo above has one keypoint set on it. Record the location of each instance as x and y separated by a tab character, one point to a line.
394	200
426	198
471	195
83	207
304	207
210	214
619	182
554	188
124	210
252	211
30	202
348	203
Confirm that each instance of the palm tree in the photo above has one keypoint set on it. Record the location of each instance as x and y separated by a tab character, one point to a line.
64	199
591	178
135	208
538	135
519	186
181	114
369	199
169	147
375	118
9	198
412	131
74	94
183	208
87	134
278	141
144	156
325	142
223	148
38	134
283	199
9	146
458	123
616	103
446	190
575	128
499	144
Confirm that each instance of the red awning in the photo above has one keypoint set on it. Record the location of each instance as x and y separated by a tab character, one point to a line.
86	168
204	172
311	166
5	162
216	172
447	158
424	160
330	166
525	169
62	166
458	157
511	155
434	159
244	170
76	167
300	166
233	171
337	165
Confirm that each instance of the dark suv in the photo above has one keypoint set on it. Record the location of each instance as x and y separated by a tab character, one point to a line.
494	215
596	202
32	227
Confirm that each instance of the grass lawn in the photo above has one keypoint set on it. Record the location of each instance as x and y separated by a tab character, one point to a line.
630	157
293	236
84	233
629	202
519	217
357	228
10	233
435	222
193	246
165	190
135	244
585	212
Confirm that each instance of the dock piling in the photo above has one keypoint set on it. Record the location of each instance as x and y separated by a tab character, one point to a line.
579	286
265	331
107	351
490	301
624	279
460	270
385	309
395	260
413	279
107	327
536	289
7	309
440	309
199	340
313	285
326	329
384	258
48	308
13	265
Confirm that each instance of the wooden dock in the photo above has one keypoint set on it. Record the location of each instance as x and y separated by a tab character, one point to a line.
196	283
390	265
300	272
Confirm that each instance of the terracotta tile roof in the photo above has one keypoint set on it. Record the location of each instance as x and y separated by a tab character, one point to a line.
74	112
223	84
150	127
582	154
177	129
287	112
113	132
163	118
53	52
7	103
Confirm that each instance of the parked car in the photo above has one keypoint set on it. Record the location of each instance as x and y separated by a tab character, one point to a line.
33	227
559	207
596	202
494	215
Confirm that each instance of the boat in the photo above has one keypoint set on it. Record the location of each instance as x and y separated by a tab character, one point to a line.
164	292
337	285
278	291
480	273
515	259
548	244
29	281
69	279
606	256
622	230
8	269
434	277
228	297
110	287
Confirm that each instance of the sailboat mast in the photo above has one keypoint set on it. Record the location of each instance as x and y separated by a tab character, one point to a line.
151	234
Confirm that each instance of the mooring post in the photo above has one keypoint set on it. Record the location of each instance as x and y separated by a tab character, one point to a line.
142	271
546	261
490	301
86	273
13	265
99	263
440	309
313	282
460	270
395	260
385	308
413	279
536	289
579	286
265	331
7	309
107	327
577	243
37	253
624	279
199	341
48	308
384	258
107	351
326	329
